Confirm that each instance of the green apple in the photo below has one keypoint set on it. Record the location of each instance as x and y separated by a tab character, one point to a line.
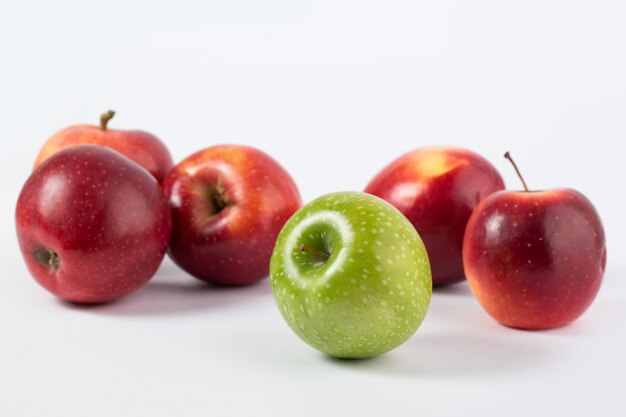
350	275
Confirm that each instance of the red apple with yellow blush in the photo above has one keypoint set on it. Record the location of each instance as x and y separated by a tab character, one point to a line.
142	147
228	204
437	188
535	259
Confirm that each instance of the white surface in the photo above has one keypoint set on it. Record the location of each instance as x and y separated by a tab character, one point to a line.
334	91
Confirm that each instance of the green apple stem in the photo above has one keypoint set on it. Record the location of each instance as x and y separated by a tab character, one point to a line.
48	257
507	155
322	256
104	119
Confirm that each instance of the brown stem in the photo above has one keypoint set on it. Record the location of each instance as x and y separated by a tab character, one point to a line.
507	155
219	198
312	251
104	119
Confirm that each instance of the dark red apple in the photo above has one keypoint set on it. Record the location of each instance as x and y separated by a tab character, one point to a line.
142	147
437	188
92	225
535	259
228	204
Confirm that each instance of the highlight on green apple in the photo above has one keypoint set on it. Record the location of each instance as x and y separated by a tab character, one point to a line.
350	275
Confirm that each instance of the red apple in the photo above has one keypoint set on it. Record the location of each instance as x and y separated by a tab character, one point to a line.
437	188
92	225
228	204
535	259
141	147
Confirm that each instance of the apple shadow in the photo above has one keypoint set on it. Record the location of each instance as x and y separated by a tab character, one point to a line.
459	339
172	291
447	355
460	289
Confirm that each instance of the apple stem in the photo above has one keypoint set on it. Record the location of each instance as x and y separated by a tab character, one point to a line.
317	253
507	155
220	201
219	198
104	119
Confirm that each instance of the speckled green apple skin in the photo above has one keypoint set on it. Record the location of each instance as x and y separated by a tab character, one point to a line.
370	295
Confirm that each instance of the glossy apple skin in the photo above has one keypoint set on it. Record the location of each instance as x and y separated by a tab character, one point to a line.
104	215
142	147
370	295
437	188
231	246
535	260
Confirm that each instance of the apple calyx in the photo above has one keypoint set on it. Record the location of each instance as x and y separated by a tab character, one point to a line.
322	256
219	198
48	258
104	119
507	155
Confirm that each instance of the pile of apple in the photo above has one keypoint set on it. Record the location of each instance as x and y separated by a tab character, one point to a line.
352	273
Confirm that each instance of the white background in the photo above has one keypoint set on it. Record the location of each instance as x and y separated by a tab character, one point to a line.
334	91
